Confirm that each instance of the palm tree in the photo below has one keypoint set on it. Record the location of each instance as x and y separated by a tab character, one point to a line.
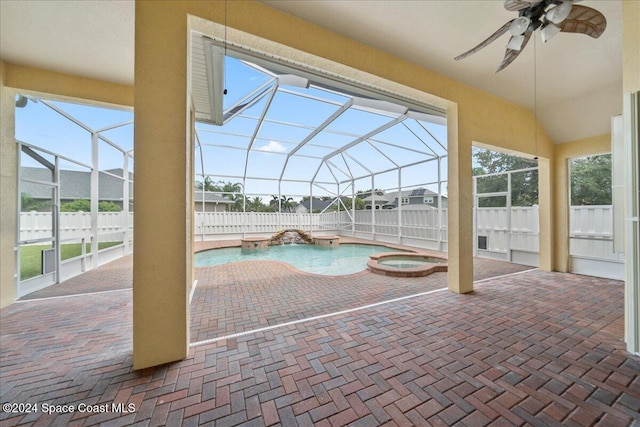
232	191
229	190
287	203
255	205
284	203
207	185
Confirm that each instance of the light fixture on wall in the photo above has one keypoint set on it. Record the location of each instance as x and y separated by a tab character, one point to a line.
22	100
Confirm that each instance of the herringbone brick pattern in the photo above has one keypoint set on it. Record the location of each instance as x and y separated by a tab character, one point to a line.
535	348
253	294
112	276
244	296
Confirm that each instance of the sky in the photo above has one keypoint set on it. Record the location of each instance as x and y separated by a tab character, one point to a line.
289	119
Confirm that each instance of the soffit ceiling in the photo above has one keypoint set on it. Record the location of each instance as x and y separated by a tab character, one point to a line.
578	80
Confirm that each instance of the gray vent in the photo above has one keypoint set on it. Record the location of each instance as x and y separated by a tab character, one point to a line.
48	260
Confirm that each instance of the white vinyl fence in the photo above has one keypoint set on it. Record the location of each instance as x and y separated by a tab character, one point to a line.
513	236
233	225
591	242
424	228
75	225
509	234
419	228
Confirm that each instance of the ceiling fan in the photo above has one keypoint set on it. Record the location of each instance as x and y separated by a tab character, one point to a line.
550	16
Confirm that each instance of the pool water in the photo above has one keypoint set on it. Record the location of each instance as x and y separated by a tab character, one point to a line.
336	261
409	263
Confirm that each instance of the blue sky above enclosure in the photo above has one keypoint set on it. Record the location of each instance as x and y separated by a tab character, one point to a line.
51	125
280	130
280	138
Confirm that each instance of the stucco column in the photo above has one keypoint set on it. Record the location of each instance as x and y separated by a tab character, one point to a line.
163	234
460	206
8	191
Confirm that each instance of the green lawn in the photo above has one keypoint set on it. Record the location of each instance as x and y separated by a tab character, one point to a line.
30	256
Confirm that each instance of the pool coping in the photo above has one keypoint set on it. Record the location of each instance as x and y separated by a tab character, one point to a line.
386	270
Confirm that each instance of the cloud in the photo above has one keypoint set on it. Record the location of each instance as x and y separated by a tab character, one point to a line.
273	147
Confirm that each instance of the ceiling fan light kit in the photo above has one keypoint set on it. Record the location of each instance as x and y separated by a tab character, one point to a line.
515	43
559	13
550	16
548	32
519	25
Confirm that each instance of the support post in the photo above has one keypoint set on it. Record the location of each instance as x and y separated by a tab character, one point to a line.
162	255
94	199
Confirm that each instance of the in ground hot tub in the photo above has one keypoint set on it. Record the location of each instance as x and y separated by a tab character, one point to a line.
406	264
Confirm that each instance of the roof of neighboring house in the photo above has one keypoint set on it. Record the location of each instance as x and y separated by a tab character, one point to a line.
74	184
379	198
416	207
390	197
210	197
317	203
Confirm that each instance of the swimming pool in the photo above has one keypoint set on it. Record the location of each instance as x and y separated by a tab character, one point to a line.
344	259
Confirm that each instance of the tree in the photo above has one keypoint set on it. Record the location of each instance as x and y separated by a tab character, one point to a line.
207	185
285	203
256	205
28	203
80	205
488	161
363	194
229	190
524	185
359	204
233	191
83	205
108	207
591	180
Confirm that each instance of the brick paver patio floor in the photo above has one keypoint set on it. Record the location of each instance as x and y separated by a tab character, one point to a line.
533	348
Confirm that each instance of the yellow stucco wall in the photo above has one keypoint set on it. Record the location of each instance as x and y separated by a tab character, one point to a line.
8	192
67	87
563	152
631	46
162	273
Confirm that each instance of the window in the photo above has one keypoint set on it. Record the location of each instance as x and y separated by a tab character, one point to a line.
405	200
428	200
591	180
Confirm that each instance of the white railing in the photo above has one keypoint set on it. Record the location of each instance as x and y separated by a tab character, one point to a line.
239	223
591	233
519	232
415	225
73	225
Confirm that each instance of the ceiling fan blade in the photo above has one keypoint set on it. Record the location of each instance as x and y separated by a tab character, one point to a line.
510	55
585	20
518	5
488	41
